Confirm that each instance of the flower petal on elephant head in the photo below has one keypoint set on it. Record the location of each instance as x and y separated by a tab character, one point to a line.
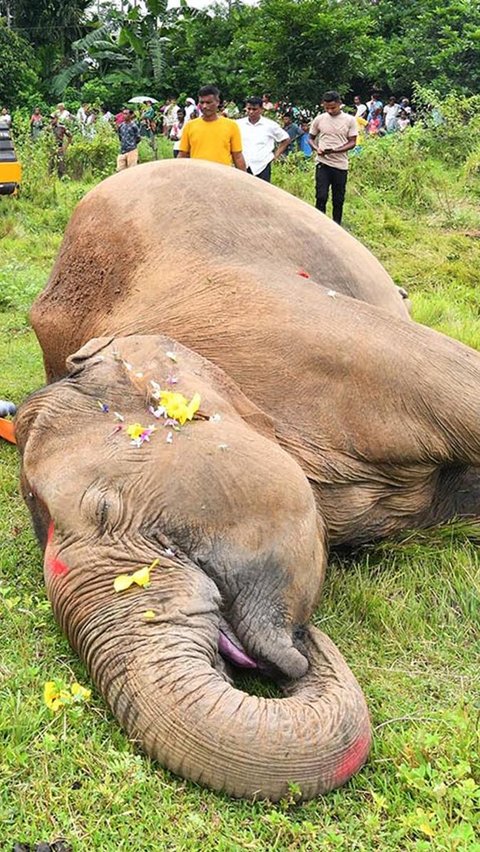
139	434
103	406
134	430
172	356
193	406
149	614
141	577
122	582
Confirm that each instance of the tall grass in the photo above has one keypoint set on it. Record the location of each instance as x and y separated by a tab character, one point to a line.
405	614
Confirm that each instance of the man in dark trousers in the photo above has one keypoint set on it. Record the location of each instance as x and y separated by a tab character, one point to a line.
332	134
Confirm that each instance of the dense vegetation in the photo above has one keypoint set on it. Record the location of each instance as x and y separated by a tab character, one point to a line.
295	49
405	614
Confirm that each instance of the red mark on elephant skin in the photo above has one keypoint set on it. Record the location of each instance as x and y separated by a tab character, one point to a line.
353	759
52	564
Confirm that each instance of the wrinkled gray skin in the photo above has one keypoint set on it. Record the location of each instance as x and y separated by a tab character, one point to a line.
232	520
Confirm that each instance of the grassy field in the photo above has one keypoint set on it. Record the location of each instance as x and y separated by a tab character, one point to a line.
406	614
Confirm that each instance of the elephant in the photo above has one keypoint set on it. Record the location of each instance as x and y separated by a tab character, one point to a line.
229	254
305	331
228	522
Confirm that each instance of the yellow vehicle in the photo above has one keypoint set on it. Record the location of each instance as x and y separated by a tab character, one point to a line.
10	168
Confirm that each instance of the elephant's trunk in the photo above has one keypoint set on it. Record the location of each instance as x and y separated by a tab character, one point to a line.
152	653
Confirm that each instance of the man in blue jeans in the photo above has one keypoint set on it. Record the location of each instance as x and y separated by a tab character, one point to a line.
332	134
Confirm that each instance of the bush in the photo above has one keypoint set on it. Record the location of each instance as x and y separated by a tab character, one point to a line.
92	158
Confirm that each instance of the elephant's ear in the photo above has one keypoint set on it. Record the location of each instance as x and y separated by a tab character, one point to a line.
255	417
75	363
28	413
248	411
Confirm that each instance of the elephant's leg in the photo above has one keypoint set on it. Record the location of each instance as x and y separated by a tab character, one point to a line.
457	495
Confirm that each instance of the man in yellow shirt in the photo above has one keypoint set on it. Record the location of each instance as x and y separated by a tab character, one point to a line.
212	137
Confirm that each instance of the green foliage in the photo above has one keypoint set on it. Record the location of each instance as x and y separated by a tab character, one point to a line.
435	44
95	157
308	49
18	77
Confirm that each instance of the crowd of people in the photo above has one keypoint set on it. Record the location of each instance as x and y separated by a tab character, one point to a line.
207	128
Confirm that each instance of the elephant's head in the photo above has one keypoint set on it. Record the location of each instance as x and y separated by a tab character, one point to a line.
148	459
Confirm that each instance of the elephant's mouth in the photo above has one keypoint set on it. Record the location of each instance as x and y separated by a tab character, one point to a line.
232	650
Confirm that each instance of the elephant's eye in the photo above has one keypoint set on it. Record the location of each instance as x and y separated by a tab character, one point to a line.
102	514
100	507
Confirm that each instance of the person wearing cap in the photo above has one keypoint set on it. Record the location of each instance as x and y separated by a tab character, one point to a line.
263	140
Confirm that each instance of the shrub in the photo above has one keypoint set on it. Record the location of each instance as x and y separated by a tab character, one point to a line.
92	157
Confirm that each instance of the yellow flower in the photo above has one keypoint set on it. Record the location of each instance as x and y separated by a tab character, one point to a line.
177	406
54	695
80	693
149	614
57	694
140	577
135	430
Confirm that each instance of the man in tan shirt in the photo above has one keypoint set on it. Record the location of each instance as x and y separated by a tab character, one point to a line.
332	134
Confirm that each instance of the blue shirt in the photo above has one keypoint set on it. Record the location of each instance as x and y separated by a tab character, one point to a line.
129	136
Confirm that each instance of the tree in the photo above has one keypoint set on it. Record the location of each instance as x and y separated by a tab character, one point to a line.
435	44
17	68
312	45
129	44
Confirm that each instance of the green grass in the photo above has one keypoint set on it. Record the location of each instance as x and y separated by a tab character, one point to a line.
405	614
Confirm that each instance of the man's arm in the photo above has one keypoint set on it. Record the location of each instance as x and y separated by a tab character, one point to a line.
281	148
183	155
349	144
239	161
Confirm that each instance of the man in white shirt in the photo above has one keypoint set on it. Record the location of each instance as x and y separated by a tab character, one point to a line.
263	140
391	112
332	134
361	109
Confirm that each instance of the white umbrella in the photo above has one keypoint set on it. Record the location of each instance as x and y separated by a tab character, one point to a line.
140	99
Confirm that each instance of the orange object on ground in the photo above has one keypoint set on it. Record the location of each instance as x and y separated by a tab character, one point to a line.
7	430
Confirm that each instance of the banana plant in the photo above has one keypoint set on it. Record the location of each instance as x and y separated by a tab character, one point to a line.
132	36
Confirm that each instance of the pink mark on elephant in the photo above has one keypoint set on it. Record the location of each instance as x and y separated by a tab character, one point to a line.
51	561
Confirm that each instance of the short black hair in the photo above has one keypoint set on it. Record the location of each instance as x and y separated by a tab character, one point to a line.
209	90
329	97
254	101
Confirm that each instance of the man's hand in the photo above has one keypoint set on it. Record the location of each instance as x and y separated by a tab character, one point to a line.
239	161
